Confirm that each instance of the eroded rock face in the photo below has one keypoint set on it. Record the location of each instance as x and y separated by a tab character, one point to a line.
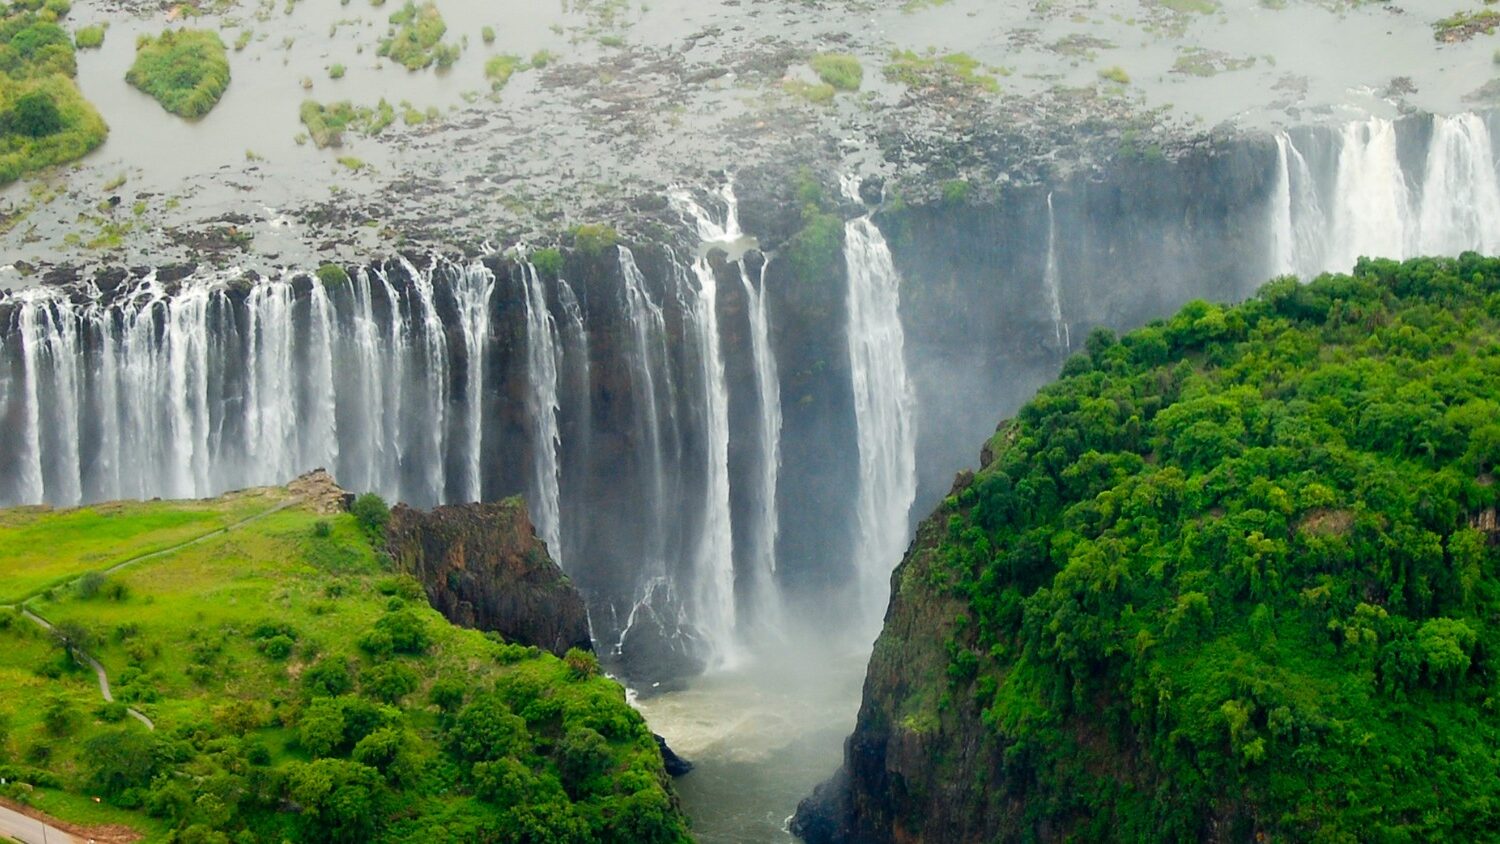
484	567
902	781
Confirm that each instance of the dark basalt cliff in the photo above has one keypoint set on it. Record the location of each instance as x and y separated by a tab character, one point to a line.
907	777
484	567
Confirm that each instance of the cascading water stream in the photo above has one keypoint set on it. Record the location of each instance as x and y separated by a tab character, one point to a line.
765	527
543	362
1460	191
472	288
1061	333
713	600
883	404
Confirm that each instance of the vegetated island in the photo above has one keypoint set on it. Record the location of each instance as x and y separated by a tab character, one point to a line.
44	120
1234	577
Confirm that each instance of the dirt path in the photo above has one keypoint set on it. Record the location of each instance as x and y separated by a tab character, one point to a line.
94	663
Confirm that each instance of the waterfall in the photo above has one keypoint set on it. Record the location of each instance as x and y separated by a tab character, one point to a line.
543	362
646	323
762	533
472	289
713	599
883	403
1372	202
32	486
1460	193
434	368
1374	206
322	447
1060	332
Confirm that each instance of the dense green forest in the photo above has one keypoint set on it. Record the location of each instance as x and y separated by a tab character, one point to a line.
1234	576
298	689
44	120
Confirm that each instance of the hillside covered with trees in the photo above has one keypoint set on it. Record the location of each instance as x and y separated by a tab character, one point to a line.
276	679
1233	577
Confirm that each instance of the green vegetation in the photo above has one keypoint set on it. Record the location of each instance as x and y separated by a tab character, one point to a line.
326	123
1196	61
332	275
336	71
90	37
956	191
815	250
302	692
498	69
1115	74
415	40
44	120
548	261
1461	26
186	70
840	70
949	70
42	548
818	93
1235	574
594	238
487	35
353	163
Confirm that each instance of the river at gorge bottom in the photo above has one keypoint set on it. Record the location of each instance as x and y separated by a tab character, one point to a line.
760	735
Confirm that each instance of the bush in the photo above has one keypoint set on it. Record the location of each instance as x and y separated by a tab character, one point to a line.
90	585
407	631
593	238
390	682
581	664
548	262
120	759
840	70
500	68
413	41
371	512
89	37
486	730
336	71
327	678
186	70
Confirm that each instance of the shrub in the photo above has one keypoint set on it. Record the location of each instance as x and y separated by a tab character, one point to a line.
336	71
594	238
35	114
120	759
840	70
90	585
500	68
582	756
327	678
371	512
413	41
390	682
486	730
186	70
487	35
548	262
581	664
407	631
89	37
1115	74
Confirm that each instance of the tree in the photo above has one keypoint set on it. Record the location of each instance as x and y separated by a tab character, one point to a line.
119	759
36	114
486	730
372	513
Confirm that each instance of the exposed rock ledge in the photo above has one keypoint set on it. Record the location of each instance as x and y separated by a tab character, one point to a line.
485	568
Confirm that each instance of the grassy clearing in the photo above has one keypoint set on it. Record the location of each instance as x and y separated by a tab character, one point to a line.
840	70
284	655
41	547
186	70
44	120
818	93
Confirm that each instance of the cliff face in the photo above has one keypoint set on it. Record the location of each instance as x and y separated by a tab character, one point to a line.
484	567
914	758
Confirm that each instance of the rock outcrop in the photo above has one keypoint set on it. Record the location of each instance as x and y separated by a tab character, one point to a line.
484	567
909	764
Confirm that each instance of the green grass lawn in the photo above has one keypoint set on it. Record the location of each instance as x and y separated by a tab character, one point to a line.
41	547
222	644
